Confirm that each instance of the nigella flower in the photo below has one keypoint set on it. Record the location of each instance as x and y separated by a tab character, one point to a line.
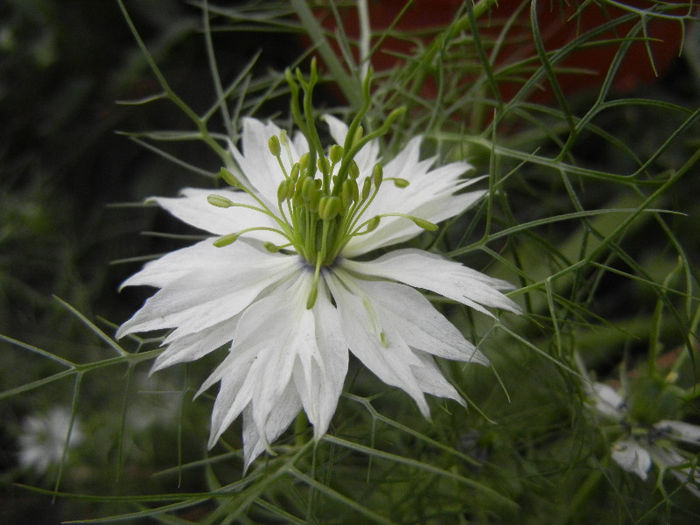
646	445
43	439
281	282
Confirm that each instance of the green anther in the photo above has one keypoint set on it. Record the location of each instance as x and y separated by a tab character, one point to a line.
294	175
315	200
366	188
336	153
383	339
354	170
359	132
307	188
323	165
229	178
226	240
284	189
346	193
284	139
304	161
422	223
219	201
271	247
329	207
313	294
372	224
297	200
377	175
400	183
355	192
336	180
274	144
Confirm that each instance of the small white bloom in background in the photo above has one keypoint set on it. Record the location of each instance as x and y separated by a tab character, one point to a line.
645	446
281	283
43	439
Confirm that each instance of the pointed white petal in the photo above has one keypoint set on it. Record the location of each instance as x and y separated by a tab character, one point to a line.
257	163
432	381
394	230
255	439
390	361
418	322
607	401
213	293
680	431
320	370
194	209
196	345
632	457
174	265
421	269
368	155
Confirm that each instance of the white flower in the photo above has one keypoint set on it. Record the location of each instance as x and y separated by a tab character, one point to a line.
288	296
651	445
43	439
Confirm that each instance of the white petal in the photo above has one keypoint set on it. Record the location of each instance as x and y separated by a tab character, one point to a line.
256	162
680	431
212	293
368	155
320	370
269	336
421	269
631	457
607	401
431	380
391	362
255	439
177	264
394	230
418	322
196	345
194	209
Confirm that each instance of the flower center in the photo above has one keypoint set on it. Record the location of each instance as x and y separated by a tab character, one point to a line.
323	198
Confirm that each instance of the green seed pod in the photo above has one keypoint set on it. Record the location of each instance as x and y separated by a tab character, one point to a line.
336	153
219	201
378	175
274	144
